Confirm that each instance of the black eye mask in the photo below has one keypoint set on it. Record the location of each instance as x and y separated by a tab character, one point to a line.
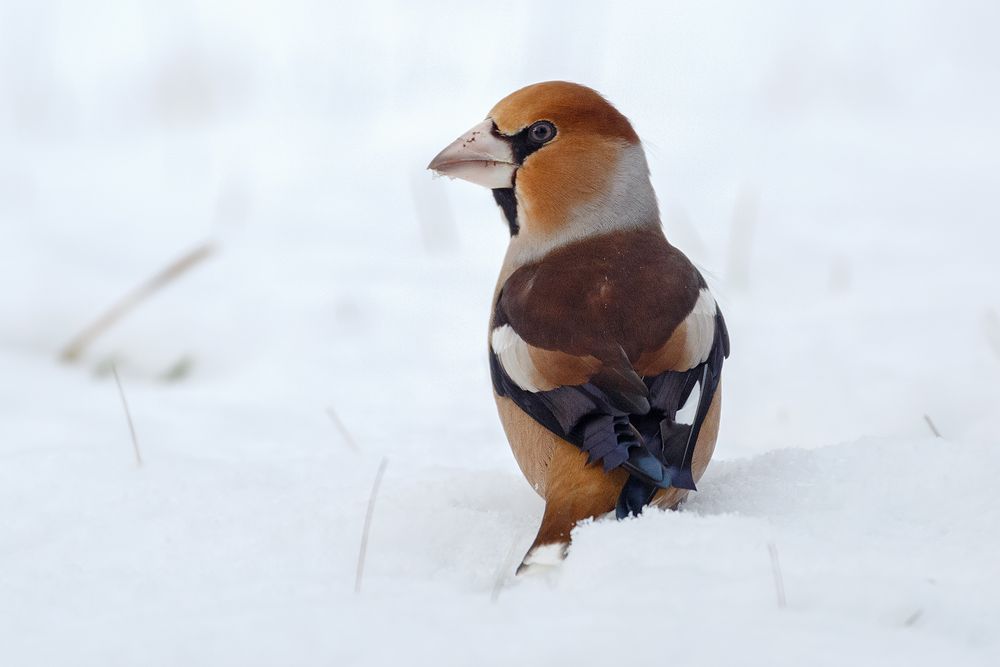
530	139
522	144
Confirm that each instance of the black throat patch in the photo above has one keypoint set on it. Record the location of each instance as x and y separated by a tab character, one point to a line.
521	146
507	201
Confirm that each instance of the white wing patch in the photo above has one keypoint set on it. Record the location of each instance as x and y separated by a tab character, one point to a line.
514	357
700	324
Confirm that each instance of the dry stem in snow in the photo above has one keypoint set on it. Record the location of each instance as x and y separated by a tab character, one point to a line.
171	272
128	416
368	524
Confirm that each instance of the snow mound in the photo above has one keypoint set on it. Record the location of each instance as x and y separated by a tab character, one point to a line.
884	547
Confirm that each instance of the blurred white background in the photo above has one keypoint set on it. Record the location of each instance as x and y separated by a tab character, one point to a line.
833	167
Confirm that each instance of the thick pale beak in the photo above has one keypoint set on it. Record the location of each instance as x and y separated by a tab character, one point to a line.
478	156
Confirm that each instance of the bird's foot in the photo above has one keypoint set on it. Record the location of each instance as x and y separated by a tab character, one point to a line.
543	558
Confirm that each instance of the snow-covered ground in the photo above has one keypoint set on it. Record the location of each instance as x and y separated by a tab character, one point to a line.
834	167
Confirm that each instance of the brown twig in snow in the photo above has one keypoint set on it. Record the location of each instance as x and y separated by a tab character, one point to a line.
779	582
501	576
348	438
930	424
171	272
128	417
368	524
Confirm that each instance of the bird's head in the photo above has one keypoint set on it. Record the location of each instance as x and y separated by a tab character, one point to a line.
562	162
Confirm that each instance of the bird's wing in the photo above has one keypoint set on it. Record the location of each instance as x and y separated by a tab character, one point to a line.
670	442
602	342
579	398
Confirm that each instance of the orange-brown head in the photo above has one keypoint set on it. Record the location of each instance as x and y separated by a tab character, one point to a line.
562	162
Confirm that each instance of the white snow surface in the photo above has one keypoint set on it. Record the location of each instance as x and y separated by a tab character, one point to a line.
833	167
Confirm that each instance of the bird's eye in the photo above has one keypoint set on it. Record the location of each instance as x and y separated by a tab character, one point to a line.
541	132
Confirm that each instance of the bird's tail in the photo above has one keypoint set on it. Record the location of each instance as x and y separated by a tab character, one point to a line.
647	473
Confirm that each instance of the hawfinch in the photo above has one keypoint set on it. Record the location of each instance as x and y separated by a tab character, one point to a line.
601	330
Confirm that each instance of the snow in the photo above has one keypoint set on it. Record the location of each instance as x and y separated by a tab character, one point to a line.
833	167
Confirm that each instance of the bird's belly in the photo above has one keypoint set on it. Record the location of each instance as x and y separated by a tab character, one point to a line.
532	444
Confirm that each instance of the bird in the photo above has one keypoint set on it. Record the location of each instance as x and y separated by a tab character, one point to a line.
605	343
